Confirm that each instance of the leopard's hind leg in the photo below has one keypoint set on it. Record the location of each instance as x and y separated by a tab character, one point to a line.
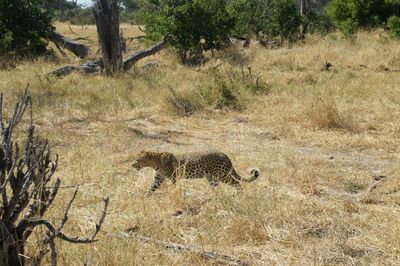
213	181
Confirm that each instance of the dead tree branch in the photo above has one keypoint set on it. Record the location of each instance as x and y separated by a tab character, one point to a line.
132	59
27	191
75	47
94	66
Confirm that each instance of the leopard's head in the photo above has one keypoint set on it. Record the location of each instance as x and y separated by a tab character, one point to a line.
152	159
144	159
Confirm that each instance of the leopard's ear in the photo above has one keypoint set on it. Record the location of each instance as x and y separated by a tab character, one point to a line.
165	155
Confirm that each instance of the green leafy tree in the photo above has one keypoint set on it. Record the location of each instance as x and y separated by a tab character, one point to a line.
197	25
5	39
272	17
393	24
283	19
25	26
348	15
249	14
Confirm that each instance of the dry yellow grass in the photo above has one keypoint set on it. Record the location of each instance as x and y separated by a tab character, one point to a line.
312	203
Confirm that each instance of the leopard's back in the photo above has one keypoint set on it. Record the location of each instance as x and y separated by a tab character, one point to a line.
204	164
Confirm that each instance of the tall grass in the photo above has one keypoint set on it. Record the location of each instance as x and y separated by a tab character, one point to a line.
323	112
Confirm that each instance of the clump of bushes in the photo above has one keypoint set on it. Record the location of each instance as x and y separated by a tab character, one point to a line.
393	25
275	18
222	90
81	17
23	27
197	25
349	15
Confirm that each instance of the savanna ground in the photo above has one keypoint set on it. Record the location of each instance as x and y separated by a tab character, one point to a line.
318	137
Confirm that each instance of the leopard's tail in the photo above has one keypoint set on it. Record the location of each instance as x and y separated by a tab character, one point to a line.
254	174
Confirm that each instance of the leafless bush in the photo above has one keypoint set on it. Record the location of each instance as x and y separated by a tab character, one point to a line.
27	191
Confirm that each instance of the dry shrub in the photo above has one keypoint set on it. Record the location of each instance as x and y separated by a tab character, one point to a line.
323	112
234	55
219	93
7	63
395	60
247	230
180	103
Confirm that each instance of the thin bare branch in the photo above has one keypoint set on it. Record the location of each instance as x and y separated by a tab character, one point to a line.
65	218
53	194
1	114
52	246
32	223
103	215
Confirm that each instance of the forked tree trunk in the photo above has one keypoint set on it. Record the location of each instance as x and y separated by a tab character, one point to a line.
107	23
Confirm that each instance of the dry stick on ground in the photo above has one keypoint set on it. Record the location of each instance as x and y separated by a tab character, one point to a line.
221	258
94	66
363	197
71	30
25	175
60	50
75	47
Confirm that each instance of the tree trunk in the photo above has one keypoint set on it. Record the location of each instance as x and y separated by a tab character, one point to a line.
303	12
107	23
75	47
249	34
11	247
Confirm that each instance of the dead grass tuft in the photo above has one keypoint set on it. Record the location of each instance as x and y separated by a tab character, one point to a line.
324	113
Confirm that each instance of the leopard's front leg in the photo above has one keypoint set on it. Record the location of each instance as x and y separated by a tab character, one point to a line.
157	181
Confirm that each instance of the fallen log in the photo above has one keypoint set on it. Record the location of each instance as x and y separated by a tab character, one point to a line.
75	47
95	65
91	67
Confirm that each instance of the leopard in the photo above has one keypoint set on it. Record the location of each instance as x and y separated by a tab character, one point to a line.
215	166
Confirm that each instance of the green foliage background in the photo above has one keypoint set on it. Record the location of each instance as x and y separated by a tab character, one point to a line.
190	21
23	26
